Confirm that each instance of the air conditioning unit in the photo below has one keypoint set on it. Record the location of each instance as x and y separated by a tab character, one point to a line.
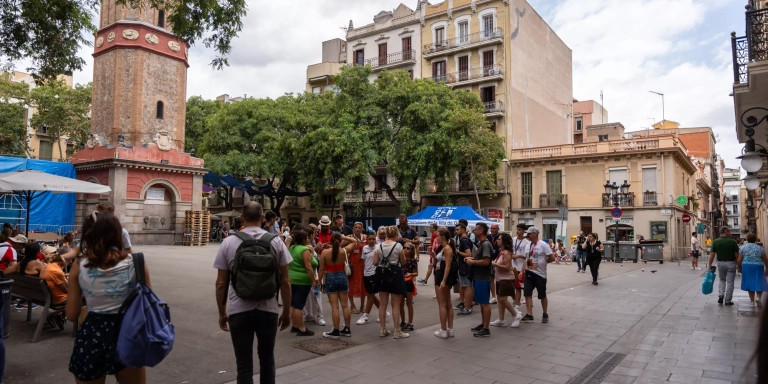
493	72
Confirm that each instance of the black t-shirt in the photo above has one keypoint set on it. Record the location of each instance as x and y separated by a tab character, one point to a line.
464	244
482	272
495	246
593	251
408	233
345	230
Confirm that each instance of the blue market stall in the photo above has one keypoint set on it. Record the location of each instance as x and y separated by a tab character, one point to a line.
445	216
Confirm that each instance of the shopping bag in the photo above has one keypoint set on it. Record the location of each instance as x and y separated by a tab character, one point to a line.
709	281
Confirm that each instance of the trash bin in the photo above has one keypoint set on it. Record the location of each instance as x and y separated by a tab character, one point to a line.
652	250
628	250
608	248
5	289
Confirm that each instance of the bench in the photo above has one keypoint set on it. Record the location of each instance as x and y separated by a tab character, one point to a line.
35	290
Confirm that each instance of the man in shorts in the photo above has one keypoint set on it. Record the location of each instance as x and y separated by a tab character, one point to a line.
481	278
539	254
695	251
464	246
520	248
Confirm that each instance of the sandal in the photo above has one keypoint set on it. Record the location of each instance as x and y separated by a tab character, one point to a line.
355	311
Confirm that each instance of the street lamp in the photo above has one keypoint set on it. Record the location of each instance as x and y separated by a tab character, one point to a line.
612	190
751	159
506	189
663	119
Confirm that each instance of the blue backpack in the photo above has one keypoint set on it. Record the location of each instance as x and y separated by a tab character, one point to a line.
146	333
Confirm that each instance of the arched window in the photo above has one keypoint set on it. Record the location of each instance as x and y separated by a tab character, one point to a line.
161	18
159	110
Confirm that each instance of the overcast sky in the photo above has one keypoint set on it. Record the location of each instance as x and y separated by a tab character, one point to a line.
625	48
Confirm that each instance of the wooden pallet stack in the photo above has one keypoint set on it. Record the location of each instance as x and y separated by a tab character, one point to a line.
197	227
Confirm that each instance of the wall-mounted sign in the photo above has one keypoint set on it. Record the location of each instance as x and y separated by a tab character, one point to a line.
666	212
155	194
551	220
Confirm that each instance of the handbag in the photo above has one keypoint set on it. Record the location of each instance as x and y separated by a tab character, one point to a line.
347	266
146	334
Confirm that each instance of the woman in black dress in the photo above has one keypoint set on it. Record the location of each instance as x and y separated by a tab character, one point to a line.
593	248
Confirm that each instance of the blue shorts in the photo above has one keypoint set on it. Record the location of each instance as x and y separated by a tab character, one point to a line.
482	291
336	282
299	294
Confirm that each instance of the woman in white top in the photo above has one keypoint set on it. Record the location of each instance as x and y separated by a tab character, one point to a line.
389	255
104	276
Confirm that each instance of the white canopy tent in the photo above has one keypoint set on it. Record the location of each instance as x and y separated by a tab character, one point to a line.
30	184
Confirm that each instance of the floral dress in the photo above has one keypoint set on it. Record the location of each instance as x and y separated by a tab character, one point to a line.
752	268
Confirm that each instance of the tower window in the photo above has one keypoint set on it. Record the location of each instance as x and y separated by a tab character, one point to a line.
159	110
161	18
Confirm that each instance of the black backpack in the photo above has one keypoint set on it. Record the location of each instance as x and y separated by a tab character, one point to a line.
255	273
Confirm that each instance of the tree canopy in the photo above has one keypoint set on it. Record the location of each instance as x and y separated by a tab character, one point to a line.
63	111
49	33
414	130
13	131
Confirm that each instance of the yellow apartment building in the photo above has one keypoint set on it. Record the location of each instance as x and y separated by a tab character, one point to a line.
560	189
39	144
506	53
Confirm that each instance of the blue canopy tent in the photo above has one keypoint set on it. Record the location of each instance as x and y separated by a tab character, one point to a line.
447	216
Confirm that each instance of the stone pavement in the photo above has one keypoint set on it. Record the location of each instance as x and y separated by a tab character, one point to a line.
658	326
666	328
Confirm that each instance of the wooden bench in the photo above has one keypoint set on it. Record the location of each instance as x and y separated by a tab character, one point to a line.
35	290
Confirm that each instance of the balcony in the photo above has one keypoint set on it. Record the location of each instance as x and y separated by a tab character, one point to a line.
526	202
750	75
558	200
377	196
651	199
624	200
470	76
462	43
392	60
493	108
463	188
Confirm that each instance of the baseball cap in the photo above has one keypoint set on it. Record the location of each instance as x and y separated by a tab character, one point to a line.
339	216
532	230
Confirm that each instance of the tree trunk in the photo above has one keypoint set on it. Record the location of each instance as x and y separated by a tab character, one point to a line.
474	181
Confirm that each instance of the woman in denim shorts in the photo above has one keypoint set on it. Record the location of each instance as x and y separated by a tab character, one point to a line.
331	271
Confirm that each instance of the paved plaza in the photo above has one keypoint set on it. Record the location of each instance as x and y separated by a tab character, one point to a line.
635	327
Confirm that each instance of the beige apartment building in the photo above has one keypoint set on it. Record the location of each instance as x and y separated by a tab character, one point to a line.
320	75
560	189
39	144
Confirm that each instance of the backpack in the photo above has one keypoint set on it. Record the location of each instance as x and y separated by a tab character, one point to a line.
255	273
146	334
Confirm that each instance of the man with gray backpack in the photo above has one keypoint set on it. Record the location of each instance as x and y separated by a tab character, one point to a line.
252	269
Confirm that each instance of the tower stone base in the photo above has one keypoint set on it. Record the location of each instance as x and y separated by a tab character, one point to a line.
151	189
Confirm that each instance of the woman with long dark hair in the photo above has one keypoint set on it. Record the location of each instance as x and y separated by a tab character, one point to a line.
331	272
30	264
594	250
389	255
505	281
445	278
104	276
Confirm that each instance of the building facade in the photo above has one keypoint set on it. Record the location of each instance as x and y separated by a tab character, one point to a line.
320	75
733	201
657	169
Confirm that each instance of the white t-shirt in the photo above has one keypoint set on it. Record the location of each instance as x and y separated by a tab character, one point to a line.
539	252
694	243
520	247
367	256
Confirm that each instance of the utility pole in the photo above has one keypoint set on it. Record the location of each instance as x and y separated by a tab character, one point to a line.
663	119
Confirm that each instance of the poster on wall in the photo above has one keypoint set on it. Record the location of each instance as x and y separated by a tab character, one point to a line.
659	230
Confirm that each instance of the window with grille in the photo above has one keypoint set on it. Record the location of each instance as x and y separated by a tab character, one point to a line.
382	54
526	189
464	32
488	25
406	45
438	71
46	150
439	36
463	68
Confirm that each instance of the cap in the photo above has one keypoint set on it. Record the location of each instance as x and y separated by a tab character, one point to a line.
339	216
532	230
48	250
325	220
21	239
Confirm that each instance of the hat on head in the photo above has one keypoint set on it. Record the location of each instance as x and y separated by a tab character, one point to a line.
532	230
20	239
48	250
339	216
325	220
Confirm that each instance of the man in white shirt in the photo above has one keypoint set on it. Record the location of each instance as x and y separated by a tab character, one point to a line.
695	251
539	255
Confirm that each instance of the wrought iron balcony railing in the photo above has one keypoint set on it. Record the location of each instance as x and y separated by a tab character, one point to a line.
469	75
465	40
558	200
392	59
624	200
495	106
526	201
650	198
753	46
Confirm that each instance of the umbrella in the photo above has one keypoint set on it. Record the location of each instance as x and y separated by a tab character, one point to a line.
30	184
228	214
214	217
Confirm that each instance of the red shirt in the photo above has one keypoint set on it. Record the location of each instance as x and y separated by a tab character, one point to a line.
432	241
8	255
324	238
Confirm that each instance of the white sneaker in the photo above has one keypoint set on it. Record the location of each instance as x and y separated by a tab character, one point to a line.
493	301
516	320
363	319
692	268
517	308
441	333
698	268
379	320
320	322
449	331
499	323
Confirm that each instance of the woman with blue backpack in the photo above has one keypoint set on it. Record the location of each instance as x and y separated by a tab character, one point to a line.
104	276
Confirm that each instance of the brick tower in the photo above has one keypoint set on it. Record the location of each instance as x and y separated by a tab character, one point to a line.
137	125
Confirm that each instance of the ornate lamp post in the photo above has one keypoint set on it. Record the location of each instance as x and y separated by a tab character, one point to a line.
612	190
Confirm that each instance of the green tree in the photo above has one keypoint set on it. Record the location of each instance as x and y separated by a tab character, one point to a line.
50	32
63	111
13	131
198	112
